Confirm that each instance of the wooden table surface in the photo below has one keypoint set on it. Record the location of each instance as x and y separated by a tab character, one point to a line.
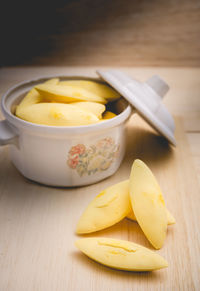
37	222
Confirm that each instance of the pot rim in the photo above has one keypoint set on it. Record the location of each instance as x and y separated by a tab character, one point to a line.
20	123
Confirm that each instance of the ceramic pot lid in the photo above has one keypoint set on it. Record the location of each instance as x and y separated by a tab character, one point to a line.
146	98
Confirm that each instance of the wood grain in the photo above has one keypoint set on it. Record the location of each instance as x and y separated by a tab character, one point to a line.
109	33
194	142
37	225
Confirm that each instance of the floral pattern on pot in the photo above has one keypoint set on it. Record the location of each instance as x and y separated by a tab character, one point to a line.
95	158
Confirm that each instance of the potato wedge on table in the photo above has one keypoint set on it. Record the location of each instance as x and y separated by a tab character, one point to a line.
170	218
106	209
121	254
148	204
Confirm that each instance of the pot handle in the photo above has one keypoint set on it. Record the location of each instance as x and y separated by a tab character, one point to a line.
7	135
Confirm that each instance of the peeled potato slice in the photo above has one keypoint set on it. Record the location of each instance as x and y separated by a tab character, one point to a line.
120	254
148	203
53	81
108	115
32	97
96	88
65	94
170	218
106	209
93	107
131	216
56	114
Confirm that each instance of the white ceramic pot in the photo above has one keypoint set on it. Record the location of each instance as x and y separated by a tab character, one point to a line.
57	155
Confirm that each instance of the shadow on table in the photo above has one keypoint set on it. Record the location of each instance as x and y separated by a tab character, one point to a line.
110	274
144	143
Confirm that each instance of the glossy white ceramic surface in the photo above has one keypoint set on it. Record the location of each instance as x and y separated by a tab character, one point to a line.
146	99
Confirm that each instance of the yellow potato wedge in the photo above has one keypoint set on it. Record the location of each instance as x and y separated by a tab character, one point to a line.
108	115
67	94
57	114
148	204
53	81
93	107
170	218
131	216
121	254
96	88
106	209
32	97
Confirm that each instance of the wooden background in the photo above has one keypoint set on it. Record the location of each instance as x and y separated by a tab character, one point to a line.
100	32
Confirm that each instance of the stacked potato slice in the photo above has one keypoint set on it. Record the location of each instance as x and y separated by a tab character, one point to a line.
138	198
67	103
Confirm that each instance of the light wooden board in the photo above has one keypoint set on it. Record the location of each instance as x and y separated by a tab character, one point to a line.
37	225
194	142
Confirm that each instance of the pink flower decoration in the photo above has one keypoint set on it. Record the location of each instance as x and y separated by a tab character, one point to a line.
96	158
78	149
73	162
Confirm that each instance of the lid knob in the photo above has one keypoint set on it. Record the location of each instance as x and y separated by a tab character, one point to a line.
158	85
